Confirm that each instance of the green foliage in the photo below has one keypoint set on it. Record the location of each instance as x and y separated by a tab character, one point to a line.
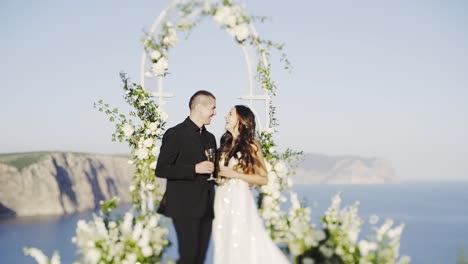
23	160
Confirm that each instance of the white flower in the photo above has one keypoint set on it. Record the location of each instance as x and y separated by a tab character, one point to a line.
92	256
153	165
37	255
112	224
160	66
171	38
281	169
142	153
271	149
147	251
132	188
240	32
384	228
396	232
148	142
221	14
153	126
404	260
373	219
130	161
155	54
365	247
326	251
320	235
137	230
269	130
307	261
126	226
128	130
295	201
55	258
230	20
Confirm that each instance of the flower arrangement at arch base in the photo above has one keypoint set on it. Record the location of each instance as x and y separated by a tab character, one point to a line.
140	235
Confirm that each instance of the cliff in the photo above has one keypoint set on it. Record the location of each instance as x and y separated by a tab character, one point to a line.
60	183
316	168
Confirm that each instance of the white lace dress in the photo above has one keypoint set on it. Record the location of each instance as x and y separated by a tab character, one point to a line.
239	236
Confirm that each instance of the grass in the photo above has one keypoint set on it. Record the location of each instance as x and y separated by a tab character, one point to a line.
23	160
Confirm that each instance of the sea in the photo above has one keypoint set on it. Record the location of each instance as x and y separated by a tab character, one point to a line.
435	215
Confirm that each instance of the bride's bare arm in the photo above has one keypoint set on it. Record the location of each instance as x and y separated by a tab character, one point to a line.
259	178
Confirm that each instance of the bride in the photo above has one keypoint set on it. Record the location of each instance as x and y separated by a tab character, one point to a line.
238	233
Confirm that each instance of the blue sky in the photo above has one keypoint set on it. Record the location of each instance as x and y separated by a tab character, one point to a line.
371	78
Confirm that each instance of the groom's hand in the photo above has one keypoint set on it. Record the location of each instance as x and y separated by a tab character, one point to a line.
204	167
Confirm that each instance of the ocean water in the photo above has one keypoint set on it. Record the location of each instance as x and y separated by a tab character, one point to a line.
435	217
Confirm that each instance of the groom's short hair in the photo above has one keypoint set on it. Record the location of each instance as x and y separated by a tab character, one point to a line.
197	95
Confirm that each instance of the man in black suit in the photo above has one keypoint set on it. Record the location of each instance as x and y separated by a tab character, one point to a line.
189	196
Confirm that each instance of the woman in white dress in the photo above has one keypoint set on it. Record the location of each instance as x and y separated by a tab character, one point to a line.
238	233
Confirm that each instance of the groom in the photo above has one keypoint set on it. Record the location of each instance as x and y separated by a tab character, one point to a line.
189	197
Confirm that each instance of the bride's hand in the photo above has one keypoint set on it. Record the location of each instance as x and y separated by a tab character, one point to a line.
228	172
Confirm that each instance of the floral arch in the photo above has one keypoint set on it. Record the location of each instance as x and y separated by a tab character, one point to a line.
140	235
180	17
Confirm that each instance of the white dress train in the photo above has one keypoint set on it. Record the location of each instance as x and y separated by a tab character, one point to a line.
239	236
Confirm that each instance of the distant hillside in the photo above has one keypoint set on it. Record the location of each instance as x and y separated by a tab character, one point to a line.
46	183
317	168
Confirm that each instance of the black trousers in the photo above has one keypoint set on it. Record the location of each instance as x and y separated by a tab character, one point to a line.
193	236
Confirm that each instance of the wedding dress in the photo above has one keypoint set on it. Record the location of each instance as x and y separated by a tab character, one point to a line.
239	236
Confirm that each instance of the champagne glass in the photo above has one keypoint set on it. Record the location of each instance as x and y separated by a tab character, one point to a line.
210	154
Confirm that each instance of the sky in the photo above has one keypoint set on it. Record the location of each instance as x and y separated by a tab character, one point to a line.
384	79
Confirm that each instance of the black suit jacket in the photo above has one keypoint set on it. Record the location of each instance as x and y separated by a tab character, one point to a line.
188	194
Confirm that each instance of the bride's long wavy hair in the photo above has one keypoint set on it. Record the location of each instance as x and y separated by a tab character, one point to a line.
248	161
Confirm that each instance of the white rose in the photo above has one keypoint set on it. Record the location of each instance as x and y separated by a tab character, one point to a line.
281	169
221	14
240	32
147	251
320	235
153	126
128	130
153	165
93	256
160	66
142	153
155	55
326	251
148	142
307	261
230	20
